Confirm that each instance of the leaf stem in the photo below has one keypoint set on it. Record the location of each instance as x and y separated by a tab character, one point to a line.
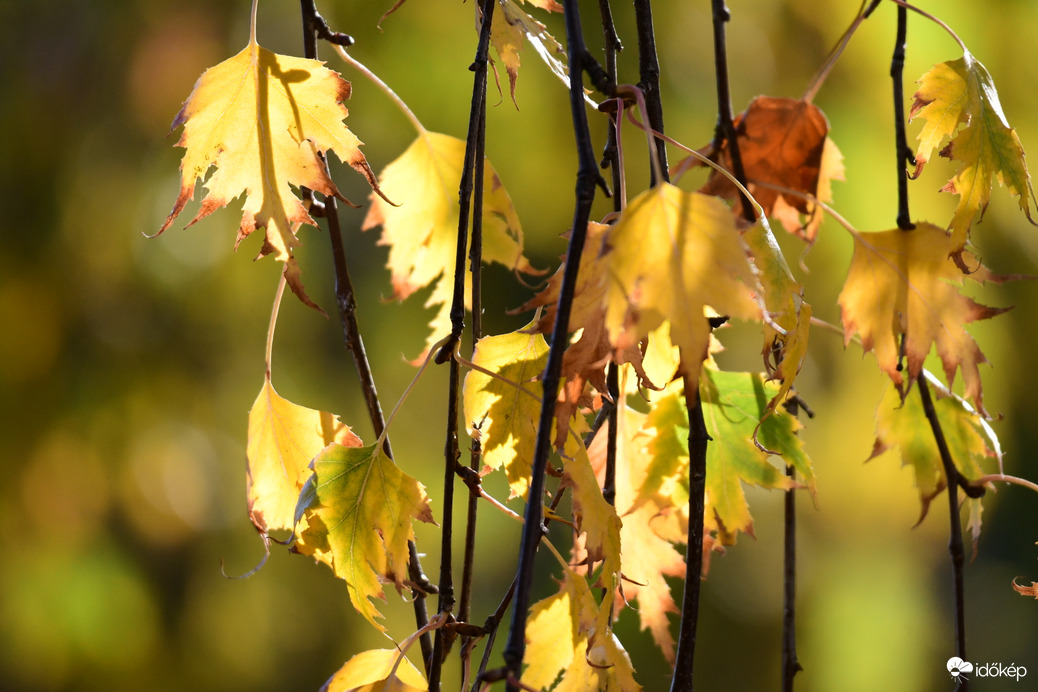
278	294
830	61
936	21
252	23
383	87
790	665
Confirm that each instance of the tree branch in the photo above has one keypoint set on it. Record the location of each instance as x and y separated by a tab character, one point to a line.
904	153
725	130
649	74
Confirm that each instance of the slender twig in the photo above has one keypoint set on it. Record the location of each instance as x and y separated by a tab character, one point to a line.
790	664
698	438
649	74
725	130
587	179
473	153
955	545
904	153
830	61
347	305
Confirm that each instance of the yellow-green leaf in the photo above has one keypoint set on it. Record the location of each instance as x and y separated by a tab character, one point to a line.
422	231
283	440
961	93
373	671
354	514
511	24
503	413
903	425
261	119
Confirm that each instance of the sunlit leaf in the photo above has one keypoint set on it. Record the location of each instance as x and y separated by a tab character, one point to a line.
372	671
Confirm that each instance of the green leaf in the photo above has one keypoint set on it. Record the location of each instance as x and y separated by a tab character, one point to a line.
355	515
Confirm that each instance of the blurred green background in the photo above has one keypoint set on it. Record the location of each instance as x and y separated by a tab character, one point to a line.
128	365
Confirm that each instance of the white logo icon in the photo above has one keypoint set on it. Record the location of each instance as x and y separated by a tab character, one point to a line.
958	668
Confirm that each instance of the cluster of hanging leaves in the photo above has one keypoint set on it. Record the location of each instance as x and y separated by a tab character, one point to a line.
650	282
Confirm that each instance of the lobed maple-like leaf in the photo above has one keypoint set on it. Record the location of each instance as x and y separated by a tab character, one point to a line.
970	440
570	635
958	100
377	670
262	120
422	231
511	24
670	255
283	439
503	413
902	285
782	142
354	514
586	359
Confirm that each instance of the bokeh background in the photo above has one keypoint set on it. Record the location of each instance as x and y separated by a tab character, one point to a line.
128	365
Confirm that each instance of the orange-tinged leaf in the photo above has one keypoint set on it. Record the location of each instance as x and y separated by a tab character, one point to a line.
970	440
671	254
261	119
586	359
1031	590
783	142
960	97
902	285
373	671
283	440
354	514
511	24
498	411
422	231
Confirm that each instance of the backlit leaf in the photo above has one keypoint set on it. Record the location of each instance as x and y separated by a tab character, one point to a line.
500	414
261	120
283	440
902	425
372	671
958	100
670	255
902	284
354	514
422	231
511	24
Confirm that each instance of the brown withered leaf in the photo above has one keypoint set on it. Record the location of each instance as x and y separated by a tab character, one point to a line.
782	141
1031	590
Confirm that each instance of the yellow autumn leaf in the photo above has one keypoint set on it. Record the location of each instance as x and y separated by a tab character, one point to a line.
671	254
511	24
961	94
283	439
571	635
422	231
595	518
261	120
903	285
373	671
354	514
500	414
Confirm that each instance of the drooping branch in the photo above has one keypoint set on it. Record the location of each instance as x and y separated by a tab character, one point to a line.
955	545
725	129
649	74
587	179
474	154
346	304
904	153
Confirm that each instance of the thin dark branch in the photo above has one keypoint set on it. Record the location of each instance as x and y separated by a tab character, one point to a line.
588	178
725	130
315	27
790	665
955	545
904	153
611	155
649	74
698	438
347	307
609	483
474	148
